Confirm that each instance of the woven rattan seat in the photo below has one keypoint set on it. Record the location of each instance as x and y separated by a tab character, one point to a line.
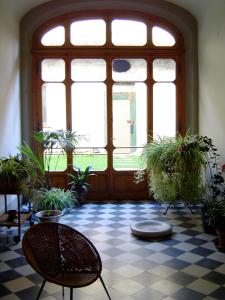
62	255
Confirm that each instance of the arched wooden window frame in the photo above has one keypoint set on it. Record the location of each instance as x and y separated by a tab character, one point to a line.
173	14
67	49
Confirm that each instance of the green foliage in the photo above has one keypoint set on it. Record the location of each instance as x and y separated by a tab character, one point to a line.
59	139
174	167
57	199
215	213
79	178
35	167
12	168
39	167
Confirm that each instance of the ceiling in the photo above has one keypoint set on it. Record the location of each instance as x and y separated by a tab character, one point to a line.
21	7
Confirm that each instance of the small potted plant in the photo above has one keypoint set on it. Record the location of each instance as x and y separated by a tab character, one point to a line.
51	204
13	174
78	182
215	217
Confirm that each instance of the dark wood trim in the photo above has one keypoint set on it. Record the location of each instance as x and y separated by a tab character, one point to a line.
111	184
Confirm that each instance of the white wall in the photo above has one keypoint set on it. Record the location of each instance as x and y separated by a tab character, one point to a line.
211	24
9	81
212	73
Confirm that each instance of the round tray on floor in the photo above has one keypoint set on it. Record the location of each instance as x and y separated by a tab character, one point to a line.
151	229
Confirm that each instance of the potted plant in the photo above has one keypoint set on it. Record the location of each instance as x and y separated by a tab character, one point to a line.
43	195
79	182
215	217
214	202
59	141
13	174
174	167
50	203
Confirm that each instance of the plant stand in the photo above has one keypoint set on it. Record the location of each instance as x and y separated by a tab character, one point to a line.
20	218
186	204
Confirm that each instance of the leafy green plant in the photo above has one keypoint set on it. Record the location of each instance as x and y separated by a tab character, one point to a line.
35	167
54	199
12	168
13	175
215	213
51	142
79	178
175	168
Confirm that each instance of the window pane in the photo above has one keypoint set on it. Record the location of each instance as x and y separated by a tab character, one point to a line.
129	33
161	37
129	69
96	158
53	70
54	37
127	159
57	161
164	109
53	106
88	69
164	70
88	32
129	115
89	113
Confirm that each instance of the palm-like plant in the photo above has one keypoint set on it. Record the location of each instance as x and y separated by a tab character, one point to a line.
52	140
39	167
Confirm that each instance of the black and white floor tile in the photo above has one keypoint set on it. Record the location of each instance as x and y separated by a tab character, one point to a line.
186	266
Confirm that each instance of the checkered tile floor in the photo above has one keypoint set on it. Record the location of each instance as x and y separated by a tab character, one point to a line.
186	266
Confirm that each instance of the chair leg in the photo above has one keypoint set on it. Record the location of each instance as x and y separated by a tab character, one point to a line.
63	291
42	286
105	288
71	293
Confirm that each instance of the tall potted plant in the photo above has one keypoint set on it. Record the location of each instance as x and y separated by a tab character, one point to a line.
43	195
39	167
174	167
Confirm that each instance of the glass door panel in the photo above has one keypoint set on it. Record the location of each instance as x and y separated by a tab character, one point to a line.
89	121
127	159
55	160
164	98
129	109
129	123
164	110
53	106
96	158
129	115
89	113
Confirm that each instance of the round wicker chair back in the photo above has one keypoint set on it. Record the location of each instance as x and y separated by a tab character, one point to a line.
62	255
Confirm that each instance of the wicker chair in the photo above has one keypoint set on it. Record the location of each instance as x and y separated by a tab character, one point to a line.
62	255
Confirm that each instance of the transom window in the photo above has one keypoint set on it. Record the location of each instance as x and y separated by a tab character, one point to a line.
123	32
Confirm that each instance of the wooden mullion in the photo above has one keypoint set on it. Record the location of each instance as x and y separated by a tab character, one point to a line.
68	85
